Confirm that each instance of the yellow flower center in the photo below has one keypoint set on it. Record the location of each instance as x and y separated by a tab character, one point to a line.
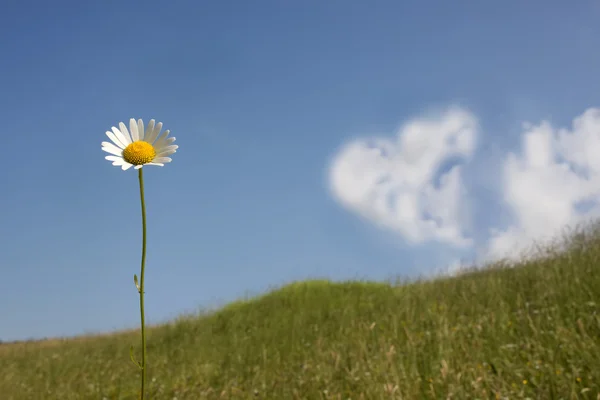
139	153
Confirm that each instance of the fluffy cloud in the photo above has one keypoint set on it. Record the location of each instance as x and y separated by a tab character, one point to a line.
399	183
549	182
405	183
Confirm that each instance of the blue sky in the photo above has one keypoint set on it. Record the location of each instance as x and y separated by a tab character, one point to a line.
263	97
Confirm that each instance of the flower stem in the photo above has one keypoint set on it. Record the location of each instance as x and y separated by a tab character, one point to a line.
141	289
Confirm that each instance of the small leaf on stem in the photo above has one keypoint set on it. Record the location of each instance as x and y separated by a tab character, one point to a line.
133	357
135	280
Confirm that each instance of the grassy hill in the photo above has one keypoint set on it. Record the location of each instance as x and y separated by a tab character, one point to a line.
532	331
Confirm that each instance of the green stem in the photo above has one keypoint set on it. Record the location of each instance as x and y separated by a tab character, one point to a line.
141	289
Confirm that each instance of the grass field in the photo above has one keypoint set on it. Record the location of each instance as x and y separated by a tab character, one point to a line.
532	331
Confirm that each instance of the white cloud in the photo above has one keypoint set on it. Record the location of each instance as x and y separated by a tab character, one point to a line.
399	183
557	171
391	182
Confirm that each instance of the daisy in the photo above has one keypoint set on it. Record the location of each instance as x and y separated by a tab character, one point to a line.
141	148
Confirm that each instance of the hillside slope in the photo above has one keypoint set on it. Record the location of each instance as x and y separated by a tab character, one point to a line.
531	331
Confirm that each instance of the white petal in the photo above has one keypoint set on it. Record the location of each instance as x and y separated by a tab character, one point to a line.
112	146
157	164
165	153
133	128
149	130
159	150
124	131
152	136
114	139
113	150
110	151
161	160
138	166
164	148
120	136
141	129
126	166
162	140
113	158
118	162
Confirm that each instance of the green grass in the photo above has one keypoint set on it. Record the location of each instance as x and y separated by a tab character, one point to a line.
532	331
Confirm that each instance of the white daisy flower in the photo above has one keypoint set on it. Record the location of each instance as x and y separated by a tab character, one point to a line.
141	148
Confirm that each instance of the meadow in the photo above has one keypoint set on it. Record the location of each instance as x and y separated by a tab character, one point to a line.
524	331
